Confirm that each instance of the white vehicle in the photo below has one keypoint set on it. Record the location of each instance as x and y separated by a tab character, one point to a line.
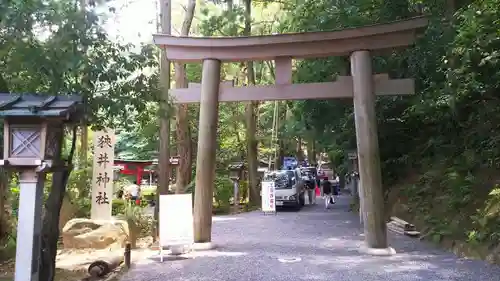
289	188
325	172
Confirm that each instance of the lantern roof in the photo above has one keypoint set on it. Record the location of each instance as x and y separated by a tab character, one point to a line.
237	166
37	105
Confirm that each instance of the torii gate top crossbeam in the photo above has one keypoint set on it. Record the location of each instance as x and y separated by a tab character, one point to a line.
295	45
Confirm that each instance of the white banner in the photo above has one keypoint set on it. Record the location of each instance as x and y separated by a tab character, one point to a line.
268	197
176	220
102	175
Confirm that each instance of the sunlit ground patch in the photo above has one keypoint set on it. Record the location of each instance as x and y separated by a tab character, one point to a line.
337	260
214	254
341	243
289	259
192	255
225	218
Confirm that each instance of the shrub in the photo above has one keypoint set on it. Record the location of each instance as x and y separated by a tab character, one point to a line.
8	246
223	191
118	207
84	206
138	224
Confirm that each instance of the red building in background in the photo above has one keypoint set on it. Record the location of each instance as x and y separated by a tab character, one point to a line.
142	169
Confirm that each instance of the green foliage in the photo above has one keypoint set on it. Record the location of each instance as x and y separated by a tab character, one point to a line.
52	47
118	207
223	191
447	133
486	221
139	225
80	182
8	247
225	22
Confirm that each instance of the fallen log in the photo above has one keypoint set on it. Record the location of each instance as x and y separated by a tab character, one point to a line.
404	224
411	233
402	227
395	228
104	266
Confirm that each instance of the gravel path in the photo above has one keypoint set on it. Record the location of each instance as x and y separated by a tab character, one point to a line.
327	243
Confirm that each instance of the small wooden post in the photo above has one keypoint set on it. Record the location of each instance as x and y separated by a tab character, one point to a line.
207	144
371	193
127	255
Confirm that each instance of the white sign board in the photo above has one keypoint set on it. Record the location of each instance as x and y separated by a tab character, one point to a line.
268	197
176	220
352	155
102	174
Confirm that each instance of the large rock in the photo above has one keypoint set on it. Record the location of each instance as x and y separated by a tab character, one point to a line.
96	234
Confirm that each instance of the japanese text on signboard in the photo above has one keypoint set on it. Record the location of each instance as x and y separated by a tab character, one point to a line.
102	178
271	195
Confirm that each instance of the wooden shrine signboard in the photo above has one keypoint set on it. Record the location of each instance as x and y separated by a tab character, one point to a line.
102	175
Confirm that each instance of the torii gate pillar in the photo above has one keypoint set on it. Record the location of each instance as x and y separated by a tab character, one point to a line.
372	198
207	145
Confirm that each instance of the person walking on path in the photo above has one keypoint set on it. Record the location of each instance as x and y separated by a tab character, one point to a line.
311	193
135	192
327	193
336	185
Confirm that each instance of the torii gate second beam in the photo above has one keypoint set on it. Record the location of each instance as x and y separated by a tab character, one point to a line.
342	88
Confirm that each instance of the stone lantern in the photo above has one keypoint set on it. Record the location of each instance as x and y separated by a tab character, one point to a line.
34	129
33	139
236	170
235	174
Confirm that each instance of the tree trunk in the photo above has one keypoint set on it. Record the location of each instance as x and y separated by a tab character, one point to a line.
84	147
311	153
84	137
164	149
280	155
235	125
289	144
252	152
4	181
251	128
164	114
183	130
281	143
4	190
312	158
53	204
451	7
4	86
50	223
299	152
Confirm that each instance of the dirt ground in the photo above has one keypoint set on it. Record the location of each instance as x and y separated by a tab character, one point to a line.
72	264
7	273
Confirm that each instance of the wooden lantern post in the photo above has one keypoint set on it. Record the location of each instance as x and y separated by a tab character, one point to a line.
33	140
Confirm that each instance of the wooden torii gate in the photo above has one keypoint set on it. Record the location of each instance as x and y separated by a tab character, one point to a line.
362	86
